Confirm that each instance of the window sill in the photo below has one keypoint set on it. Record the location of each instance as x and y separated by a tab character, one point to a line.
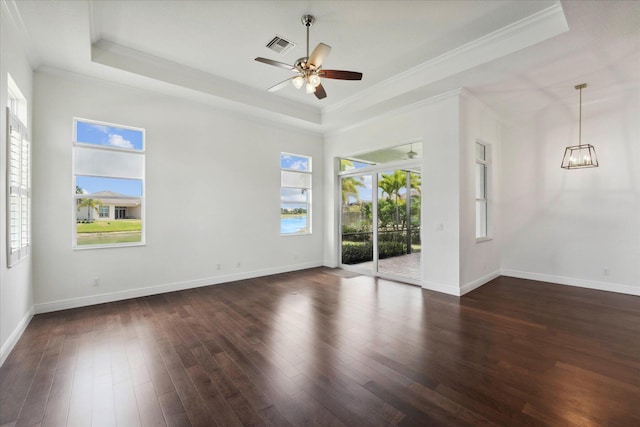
483	239
121	245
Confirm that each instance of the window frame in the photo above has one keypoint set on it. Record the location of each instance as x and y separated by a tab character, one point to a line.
308	190
101	211
20	160
112	149
17	118
485	201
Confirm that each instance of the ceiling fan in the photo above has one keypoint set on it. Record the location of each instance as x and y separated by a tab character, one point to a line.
309	68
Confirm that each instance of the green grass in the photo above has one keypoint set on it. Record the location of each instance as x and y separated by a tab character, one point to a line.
109	232
108	238
110	226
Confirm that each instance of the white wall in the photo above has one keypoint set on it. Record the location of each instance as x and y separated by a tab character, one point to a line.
479	260
16	295
568	226
212	196
440	197
447	126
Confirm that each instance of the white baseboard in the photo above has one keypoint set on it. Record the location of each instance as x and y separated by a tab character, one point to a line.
441	287
459	291
169	287
15	336
569	281
464	289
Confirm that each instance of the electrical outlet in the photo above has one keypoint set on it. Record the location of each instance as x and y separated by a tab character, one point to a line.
217	266
96	282
238	264
605	271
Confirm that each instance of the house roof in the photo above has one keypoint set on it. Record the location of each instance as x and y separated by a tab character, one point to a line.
112	198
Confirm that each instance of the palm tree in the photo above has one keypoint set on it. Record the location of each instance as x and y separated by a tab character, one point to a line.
349	184
391	184
90	204
78	191
350	188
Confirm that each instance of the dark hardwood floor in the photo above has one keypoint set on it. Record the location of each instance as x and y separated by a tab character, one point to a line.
314	348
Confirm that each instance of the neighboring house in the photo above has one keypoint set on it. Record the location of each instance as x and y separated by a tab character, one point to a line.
111	205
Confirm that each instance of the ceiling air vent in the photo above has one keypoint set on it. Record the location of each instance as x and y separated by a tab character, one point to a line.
280	45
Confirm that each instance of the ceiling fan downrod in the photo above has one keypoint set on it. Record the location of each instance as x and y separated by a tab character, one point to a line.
307	21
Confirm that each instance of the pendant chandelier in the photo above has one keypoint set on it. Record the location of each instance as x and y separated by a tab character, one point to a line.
581	155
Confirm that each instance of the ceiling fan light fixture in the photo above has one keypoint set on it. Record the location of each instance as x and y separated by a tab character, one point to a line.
309	68
411	154
297	81
310	88
314	80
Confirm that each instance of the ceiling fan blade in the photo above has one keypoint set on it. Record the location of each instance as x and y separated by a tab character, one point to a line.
279	85
320	92
276	63
318	55
340	74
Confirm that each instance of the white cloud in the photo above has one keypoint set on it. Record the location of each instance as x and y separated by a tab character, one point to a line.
299	165
367	181
119	141
100	128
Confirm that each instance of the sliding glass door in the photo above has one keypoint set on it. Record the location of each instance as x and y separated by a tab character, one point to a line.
357	221
380	223
398	225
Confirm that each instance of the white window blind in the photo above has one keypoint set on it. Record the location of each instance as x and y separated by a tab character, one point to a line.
96	161
19	189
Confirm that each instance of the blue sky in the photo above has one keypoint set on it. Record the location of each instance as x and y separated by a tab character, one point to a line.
365	192
299	163
93	184
109	136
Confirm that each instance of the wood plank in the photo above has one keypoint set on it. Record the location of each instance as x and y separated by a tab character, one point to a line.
314	348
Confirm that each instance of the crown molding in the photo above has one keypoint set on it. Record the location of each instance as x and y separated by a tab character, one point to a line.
16	18
386	113
226	92
161	89
519	35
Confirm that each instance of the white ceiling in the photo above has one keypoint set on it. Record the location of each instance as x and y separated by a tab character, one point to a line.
519	57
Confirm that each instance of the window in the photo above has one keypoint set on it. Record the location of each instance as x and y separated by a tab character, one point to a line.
295	194
108	170
482	172
103	212
18	177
